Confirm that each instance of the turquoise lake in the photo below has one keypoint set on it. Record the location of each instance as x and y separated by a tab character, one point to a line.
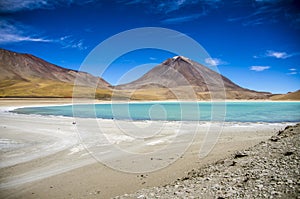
176	111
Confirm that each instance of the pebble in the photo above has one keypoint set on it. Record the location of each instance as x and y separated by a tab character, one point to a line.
267	170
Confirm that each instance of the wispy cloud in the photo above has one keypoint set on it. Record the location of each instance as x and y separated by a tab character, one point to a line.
9	38
214	61
152	58
263	12
259	68
176	20
10	6
276	54
12	33
293	71
18	5
169	6
69	42
170	9
166	6
269	12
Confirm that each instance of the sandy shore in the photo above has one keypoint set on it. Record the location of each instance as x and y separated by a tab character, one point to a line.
43	157
269	169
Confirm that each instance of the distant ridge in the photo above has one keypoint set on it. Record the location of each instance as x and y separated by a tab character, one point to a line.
289	96
24	75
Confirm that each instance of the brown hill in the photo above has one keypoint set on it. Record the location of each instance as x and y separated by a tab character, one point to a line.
24	75
293	96
177	76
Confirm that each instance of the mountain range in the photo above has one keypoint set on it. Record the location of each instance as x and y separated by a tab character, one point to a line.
24	75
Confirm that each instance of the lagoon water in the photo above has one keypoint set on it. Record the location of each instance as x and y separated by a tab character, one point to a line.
178	111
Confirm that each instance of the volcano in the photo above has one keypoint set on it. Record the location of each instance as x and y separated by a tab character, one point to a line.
180	76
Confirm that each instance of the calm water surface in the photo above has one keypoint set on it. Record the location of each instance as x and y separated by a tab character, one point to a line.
175	111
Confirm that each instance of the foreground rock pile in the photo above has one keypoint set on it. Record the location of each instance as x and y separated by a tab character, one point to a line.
270	169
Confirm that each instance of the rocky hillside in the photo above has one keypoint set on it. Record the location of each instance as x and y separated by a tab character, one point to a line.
267	170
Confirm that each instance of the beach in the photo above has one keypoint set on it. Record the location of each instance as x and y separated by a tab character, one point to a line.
44	157
269	169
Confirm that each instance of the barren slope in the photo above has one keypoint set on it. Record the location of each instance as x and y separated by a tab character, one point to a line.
24	75
180	74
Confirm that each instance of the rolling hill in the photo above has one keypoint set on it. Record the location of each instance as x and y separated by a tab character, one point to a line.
24	75
289	96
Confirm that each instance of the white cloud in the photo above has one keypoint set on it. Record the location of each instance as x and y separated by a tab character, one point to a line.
69	42
176	20
267	12
152	58
12	33
77	44
19	5
278	55
214	61
10	38
168	7
259	68
292	69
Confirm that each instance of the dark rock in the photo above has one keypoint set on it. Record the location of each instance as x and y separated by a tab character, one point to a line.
274	138
240	154
233	163
288	153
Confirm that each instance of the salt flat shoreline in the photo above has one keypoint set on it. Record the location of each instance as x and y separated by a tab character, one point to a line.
269	169
57	101
55	165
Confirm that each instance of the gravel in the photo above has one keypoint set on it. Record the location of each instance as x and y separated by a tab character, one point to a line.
270	169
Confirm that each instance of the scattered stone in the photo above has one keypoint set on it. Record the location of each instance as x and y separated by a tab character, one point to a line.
274	138
185	178
287	127
288	153
280	132
240	154
232	163
141	196
267	170
260	186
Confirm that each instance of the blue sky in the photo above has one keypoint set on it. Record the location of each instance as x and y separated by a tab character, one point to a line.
256	44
